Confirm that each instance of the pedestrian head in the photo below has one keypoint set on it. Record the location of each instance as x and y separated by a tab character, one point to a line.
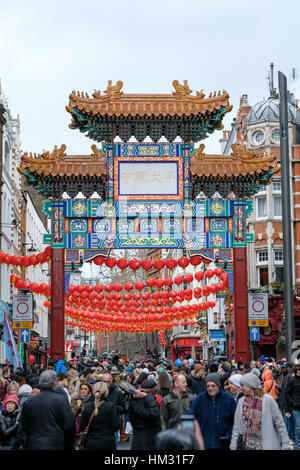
149	386
107	379
234	383
48	379
11	403
297	369
100	391
179	384
13	387
251	385
164	380
213	384
85	389
198	366
36	389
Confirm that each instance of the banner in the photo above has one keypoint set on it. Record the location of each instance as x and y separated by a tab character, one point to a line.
12	355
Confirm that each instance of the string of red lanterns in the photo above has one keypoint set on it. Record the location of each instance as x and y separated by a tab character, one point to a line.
26	261
147	264
104	308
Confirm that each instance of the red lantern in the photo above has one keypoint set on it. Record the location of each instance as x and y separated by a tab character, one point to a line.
139	285
31	359
214	288
178	280
171	263
206	291
209	273
108	288
47	251
159	264
110	262
146	264
195	260
134	264
188	278
183	262
98	288
118	287
159	283
199	276
128	286
168	282
197	292
99	260
218	271
122	263
150	282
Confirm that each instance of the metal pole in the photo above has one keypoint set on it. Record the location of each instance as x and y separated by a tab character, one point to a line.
286	215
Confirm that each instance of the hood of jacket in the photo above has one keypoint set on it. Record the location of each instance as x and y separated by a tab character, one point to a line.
267	375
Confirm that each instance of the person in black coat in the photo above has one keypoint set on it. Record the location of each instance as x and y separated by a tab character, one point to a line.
47	421
198	378
144	415
115	395
9	423
105	423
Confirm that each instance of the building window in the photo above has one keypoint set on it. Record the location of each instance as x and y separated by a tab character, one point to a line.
275	136
261	207
263	276
258	137
262	256
277	206
276	186
278	255
279	274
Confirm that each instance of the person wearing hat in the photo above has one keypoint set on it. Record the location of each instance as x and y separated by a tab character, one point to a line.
46	419
214	410
234	383
9	423
198	377
258	423
293	402
144	415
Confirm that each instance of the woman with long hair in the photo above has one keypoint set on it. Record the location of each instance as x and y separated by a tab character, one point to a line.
104	423
78	403
258	423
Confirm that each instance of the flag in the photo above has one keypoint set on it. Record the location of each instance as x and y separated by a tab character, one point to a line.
11	353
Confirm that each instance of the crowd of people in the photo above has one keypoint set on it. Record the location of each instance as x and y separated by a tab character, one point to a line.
152	404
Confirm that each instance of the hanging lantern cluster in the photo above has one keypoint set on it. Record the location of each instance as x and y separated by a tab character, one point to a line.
118	307
26	261
41	289
147	264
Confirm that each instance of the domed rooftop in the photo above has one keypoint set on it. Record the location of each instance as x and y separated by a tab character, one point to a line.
269	109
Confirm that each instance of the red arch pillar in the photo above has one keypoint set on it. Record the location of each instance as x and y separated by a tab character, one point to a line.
57	323
240	301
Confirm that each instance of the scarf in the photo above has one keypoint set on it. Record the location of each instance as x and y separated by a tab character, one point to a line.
252	423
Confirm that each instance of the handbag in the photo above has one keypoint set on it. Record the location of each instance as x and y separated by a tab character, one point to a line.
85	433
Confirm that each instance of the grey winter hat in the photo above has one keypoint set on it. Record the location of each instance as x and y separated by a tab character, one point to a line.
213	377
256	371
250	380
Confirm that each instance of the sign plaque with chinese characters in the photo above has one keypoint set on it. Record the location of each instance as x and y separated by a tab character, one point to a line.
148	178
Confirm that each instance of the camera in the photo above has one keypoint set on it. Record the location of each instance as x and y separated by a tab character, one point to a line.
187	422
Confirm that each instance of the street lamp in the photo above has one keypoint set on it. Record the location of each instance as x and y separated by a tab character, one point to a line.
31	249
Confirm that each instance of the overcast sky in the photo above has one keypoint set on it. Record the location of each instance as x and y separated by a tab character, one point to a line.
48	49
